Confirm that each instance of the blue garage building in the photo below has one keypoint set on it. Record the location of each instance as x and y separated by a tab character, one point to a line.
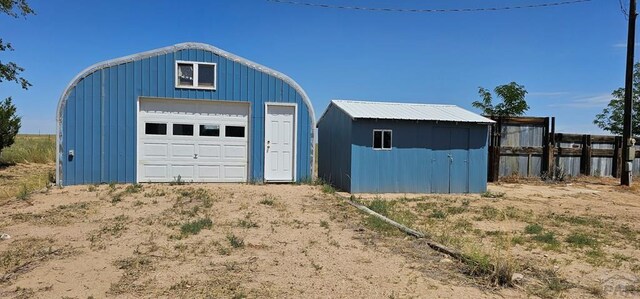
191	112
375	147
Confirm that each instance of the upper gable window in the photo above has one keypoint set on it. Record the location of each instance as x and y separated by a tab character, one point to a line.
196	75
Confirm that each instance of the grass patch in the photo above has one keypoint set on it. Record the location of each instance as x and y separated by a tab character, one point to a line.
491	213
579	220
198	195
549	239
21	180
134	268
247	222
324	224
194	227
489	194
328	189
581	240
133	188
30	149
58	216
114	228
438	214
533	229
267	201
457	210
26	251
380	206
378	225
235	241
155	193
23	193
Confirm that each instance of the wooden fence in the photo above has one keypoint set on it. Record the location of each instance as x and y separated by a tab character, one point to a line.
529	146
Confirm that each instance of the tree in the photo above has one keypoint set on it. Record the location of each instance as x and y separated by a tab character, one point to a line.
513	101
611	117
9	123
10	71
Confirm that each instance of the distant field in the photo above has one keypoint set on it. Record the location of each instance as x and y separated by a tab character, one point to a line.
30	149
27	165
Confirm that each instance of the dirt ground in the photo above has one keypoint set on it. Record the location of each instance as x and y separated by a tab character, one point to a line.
238	240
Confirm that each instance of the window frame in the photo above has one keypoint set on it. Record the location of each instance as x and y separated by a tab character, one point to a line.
244	132
382	131
173	131
196	79
209	124
166	128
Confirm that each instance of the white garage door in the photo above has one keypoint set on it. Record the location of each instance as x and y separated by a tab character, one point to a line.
199	141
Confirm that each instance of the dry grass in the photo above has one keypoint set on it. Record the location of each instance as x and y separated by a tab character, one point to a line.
27	166
38	149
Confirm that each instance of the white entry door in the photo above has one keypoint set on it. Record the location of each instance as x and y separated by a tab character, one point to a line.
199	141
279	142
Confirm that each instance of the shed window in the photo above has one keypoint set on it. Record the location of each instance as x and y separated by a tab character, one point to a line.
234	131
155	129
210	130
195	75
382	139
182	130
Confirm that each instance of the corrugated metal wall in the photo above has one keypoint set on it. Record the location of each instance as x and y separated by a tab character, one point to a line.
99	118
418	162
521	136
334	148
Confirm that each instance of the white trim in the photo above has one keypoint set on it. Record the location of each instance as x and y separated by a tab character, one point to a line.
373	140
196	79
295	140
170	49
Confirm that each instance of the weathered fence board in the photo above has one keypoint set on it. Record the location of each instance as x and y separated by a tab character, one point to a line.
529	146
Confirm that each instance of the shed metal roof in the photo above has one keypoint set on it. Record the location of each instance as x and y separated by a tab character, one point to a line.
407	111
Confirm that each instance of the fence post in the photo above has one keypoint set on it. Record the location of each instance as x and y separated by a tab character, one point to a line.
585	159
552	148
494	151
616	165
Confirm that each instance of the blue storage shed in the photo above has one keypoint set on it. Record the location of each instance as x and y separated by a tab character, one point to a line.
376	147
191	112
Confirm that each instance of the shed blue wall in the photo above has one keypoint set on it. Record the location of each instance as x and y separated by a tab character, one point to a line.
419	157
99	117
334	148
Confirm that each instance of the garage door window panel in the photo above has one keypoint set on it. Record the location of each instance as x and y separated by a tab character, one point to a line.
196	75
182	130
155	129
210	130
234	131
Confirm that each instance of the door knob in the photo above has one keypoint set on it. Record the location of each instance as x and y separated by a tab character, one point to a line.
195	156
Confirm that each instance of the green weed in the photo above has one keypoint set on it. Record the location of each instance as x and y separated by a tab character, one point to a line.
533	229
235	241
194	227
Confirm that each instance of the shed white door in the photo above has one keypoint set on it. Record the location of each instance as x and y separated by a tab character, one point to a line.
279	143
200	141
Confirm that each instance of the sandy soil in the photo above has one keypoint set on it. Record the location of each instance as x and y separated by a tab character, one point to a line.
80	242
274	241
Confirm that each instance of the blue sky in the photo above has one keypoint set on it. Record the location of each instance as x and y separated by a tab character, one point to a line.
570	58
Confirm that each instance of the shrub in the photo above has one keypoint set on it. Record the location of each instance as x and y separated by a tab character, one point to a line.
9	123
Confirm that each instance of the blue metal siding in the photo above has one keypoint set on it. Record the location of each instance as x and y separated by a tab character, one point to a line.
99	116
426	157
334	148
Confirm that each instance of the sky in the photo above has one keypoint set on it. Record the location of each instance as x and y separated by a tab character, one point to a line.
569	58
